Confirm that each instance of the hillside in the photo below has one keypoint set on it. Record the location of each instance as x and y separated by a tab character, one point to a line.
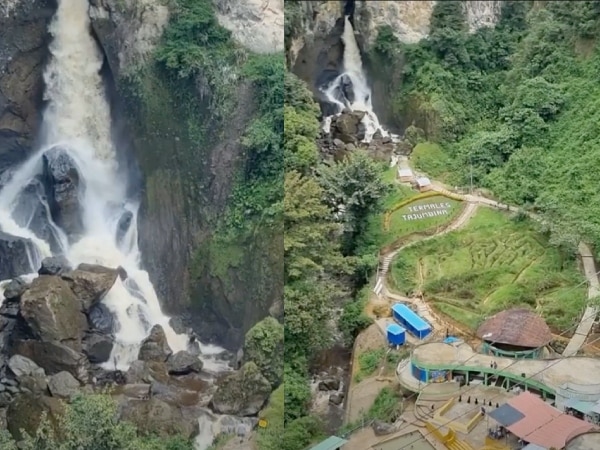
514	106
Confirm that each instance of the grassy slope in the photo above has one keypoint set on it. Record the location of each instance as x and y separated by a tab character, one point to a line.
492	264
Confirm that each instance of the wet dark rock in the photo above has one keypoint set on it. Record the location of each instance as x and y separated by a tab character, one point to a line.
140	391
347	127
63	188
13	256
146	372
10	310
336	398
101	319
123	225
382	428
14	289
97	347
33	384
54	265
182	363
155	347
329	384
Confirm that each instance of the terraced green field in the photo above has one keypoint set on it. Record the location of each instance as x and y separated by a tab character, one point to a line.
494	263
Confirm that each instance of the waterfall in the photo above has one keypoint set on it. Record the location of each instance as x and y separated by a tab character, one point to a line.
77	128
350	89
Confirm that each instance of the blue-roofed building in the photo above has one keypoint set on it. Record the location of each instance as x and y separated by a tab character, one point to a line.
411	320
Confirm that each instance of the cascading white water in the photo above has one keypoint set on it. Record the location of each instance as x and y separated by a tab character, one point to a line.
353	75
78	120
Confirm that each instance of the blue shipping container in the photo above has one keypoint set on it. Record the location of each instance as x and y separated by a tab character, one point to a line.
411	321
396	334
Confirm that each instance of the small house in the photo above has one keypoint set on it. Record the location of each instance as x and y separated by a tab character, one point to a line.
405	175
424	184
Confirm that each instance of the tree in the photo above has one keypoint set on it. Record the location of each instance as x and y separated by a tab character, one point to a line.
352	190
91	422
264	346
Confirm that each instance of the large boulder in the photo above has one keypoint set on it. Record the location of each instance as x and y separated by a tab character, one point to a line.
14	289
63	187
90	283
174	395
182	363
21	366
155	347
26	411
347	127
242	393
97	347
101	319
147	372
54	265
158	417
63	385
52	311
13	256
54	357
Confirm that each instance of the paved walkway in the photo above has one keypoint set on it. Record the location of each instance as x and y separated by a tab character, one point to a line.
589	315
551	372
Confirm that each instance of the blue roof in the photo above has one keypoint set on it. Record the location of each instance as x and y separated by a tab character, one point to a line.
331	443
394	328
411	317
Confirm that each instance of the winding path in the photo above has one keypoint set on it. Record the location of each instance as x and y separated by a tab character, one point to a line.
588	317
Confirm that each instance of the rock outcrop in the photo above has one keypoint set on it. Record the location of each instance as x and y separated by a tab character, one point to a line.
52	311
23	40
13	256
90	283
155	347
255	24
63	189
242	393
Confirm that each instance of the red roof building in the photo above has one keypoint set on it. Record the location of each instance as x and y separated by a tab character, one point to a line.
530	418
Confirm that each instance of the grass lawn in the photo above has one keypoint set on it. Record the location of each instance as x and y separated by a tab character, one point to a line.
492	264
431	159
400	227
376	237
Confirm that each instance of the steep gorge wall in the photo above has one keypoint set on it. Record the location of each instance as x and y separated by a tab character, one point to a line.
188	166
23	51
313	36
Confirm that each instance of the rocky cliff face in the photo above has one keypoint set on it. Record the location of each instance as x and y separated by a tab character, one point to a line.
256	24
186	184
23	50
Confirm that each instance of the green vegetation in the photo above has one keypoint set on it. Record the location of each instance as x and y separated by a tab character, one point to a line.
91	423
387	406
269	438
431	159
399	227
492	264
369	361
323	269
264	346
518	102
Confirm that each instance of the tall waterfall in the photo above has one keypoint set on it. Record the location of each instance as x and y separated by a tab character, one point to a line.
77	123
350	89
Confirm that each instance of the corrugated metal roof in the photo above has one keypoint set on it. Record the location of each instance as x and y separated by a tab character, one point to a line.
411	317
543	424
519	326
423	181
506	415
331	443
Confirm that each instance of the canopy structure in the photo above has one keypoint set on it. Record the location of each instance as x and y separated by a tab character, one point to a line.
331	443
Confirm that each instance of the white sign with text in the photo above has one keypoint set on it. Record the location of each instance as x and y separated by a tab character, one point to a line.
427	210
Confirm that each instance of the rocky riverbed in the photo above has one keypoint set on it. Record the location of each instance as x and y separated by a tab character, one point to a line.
56	339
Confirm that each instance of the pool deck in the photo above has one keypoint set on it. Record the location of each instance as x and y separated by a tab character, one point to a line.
551	372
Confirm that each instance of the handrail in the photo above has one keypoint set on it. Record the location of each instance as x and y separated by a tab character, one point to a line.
516	378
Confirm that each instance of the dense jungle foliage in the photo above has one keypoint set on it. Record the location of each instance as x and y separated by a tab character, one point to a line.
517	103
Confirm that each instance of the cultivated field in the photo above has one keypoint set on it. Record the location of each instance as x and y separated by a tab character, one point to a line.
494	263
